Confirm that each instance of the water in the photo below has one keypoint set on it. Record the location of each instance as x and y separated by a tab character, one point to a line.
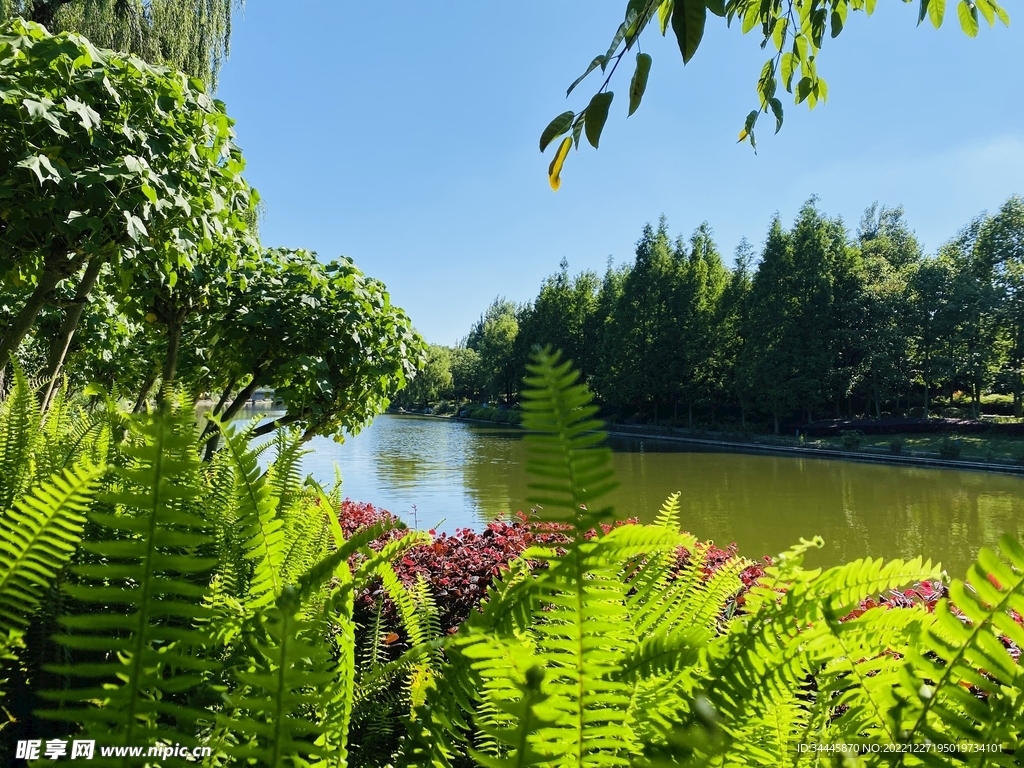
448	474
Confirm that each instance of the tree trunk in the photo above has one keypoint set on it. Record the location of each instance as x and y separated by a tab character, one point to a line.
743	416
224	397
689	409
27	315
775	415
147	385
270	426
234	408
1018	405
60	345
171	359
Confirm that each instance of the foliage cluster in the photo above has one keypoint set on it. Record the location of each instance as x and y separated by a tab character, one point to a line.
459	568
824	323
129	254
793	32
215	604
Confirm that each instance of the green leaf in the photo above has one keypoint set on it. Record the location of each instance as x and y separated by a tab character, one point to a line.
936	10
664	14
556	128
922	11
803	89
597	115
638	84
776	107
717	7
788	68
836	22
41	166
987	10
555	169
136	229
597	62
577	128
688	17
968	18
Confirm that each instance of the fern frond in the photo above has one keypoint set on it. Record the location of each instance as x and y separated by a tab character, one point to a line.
292	669
963	683
258	519
145	654
19	434
573	471
38	536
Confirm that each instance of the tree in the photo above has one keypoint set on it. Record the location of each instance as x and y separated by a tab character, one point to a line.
768	364
889	254
494	338
1001	241
639	331
433	381
467	373
186	35
792	31
104	159
562	315
324	337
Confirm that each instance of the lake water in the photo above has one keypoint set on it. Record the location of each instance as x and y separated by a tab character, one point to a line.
450	474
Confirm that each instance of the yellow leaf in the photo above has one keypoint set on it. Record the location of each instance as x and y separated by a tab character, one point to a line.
743	136
555	169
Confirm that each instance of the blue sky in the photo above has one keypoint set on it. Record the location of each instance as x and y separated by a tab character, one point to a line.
404	135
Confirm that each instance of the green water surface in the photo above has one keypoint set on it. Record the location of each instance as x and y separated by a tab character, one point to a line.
450	474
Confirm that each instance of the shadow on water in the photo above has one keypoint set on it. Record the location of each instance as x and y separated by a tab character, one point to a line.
454	474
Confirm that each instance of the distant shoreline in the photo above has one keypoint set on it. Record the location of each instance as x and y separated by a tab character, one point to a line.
664	434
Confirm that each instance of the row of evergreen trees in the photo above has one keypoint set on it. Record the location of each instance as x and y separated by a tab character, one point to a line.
822	323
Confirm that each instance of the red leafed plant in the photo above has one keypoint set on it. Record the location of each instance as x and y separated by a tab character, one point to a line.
459	567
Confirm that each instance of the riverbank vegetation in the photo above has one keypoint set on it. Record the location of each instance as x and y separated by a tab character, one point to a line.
172	582
220	605
820	323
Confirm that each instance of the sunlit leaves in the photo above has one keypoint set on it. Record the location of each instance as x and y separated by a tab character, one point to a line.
968	14
806	24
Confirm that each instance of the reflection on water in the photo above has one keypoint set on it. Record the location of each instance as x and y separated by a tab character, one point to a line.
463	474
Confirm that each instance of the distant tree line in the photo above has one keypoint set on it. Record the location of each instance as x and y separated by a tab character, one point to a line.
823	323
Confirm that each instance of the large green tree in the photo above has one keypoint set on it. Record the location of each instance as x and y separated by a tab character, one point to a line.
105	160
1001	242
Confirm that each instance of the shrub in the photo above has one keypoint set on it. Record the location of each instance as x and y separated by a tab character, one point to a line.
950	447
896	445
851	439
460	567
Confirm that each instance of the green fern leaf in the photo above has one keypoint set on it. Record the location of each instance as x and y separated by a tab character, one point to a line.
38	536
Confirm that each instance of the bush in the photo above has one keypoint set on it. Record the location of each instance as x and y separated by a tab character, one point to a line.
953	412
460	567
950	447
851	439
896	445
507	416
